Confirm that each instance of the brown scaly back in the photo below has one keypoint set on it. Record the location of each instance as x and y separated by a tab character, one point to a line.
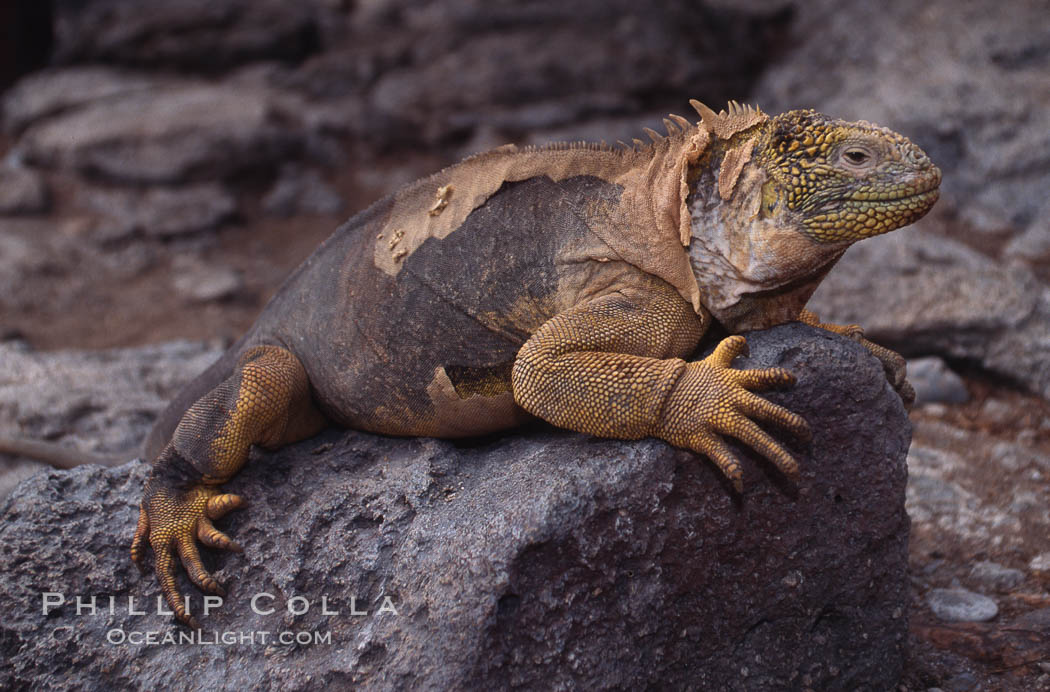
845	180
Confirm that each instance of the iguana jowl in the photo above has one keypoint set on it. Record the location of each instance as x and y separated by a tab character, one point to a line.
567	282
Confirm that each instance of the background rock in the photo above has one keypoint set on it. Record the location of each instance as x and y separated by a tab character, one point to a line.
22	191
961	605
158	211
49	92
173	133
102	402
541	559
197	35
936	296
934	382
299	191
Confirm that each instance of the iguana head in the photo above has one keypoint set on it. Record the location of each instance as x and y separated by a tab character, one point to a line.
775	201
843	181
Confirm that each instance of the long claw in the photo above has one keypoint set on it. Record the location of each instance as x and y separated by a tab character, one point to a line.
759	440
213	538
719	452
764	378
164	566
191	560
766	411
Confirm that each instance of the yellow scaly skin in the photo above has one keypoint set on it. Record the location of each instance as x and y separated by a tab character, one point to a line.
587	341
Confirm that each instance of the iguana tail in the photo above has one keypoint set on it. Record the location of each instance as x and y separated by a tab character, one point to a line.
56	455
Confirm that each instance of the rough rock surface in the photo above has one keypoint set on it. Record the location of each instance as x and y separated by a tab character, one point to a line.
188	34
541	559
936	296
935	382
22	191
102	402
160	211
172	132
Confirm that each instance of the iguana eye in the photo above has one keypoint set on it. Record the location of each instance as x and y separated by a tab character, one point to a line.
856	157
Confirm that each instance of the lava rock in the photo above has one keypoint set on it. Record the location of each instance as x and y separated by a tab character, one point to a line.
995	576
934	382
961	605
157	211
936	296
22	191
98	401
199	35
540	559
169	133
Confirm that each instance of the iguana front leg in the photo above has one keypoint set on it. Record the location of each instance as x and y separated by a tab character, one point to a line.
892	362
265	402
613	367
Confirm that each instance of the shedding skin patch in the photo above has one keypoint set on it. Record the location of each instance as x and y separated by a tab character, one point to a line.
733	163
649	229
455	416
444	194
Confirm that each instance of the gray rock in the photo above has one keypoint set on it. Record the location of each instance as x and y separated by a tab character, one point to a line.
1040	563
539	559
995	576
22	191
1032	246
170	133
961	605
301	191
203	283
186	34
443	70
935	296
158	211
97	401
934	382
961	682
970	495
49	92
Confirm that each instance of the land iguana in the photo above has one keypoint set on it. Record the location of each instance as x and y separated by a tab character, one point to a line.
568	282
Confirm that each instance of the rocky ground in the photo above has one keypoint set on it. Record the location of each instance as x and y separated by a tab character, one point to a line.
155	188
540	559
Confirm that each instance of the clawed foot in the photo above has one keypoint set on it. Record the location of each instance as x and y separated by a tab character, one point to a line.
713	400
171	520
894	365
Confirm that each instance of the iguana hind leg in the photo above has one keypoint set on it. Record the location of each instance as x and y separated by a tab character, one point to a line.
265	402
893	363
